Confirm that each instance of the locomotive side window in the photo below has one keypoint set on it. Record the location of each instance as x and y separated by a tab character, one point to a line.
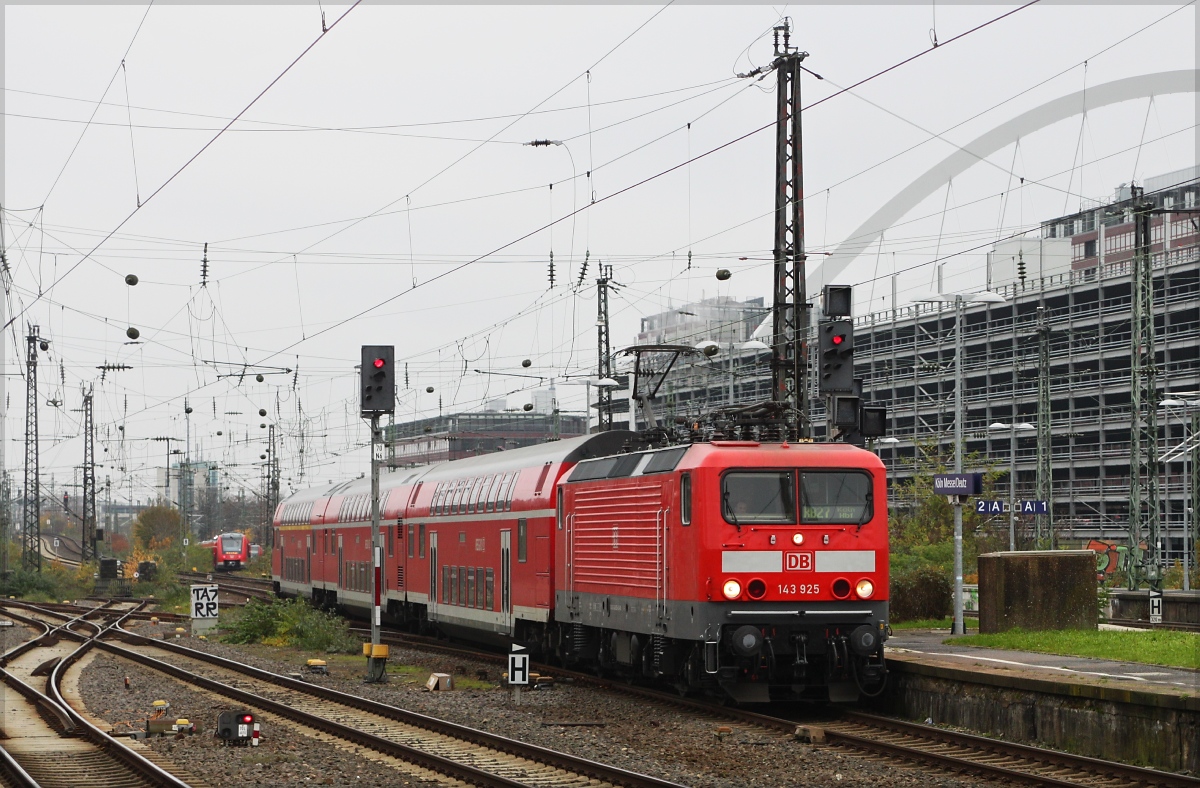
835	497
522	539
685	498
758	497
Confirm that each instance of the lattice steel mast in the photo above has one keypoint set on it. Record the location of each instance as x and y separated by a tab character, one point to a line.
603	350
1044	537
89	548
789	344
1144	517
31	528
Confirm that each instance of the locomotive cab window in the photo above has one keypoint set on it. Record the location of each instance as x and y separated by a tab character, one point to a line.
758	497
828	497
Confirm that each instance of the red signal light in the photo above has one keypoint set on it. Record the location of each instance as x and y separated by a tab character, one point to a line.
839	339
247	718
379	363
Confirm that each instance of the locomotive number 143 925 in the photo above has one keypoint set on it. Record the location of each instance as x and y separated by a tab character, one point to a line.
799	589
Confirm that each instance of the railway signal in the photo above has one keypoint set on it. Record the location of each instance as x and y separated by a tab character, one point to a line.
836	344
378	380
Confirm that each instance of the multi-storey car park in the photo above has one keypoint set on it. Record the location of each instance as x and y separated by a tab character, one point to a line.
1079	271
905	358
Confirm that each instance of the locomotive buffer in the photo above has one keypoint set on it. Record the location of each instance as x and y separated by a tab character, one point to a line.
378	386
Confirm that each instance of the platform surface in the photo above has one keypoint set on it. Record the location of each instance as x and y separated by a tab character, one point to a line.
927	646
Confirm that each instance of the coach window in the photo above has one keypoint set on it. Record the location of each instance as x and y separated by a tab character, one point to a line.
470	586
488	599
410	539
389	538
758	497
486	502
421	540
685	499
829	497
522	539
510	493
477	495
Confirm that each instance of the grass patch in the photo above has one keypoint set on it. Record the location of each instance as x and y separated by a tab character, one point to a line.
291	622
1152	646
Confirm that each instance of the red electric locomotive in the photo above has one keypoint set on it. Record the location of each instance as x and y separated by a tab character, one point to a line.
230	551
755	571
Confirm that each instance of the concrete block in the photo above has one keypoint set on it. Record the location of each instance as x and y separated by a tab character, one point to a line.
1037	590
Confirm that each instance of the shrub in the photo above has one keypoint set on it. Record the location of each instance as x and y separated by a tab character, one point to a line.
922	593
290	622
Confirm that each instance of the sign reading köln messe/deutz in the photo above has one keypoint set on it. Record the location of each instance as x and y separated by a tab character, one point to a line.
958	483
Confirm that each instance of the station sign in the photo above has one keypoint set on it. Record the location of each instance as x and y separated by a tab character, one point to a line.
958	483
984	506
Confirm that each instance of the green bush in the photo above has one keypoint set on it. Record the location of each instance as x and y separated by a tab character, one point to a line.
920	593
291	622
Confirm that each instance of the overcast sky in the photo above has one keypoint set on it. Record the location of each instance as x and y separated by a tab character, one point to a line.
378	191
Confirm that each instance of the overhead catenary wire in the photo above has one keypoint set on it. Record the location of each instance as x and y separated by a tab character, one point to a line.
196	155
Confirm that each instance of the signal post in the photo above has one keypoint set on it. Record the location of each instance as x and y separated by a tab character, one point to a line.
377	377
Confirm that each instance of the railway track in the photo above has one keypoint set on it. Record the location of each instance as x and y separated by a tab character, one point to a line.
247	587
430	745
49	743
925	745
1139	623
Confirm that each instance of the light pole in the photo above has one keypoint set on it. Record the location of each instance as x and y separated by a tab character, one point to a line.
887	469
1012	474
1189	493
587	383
959	300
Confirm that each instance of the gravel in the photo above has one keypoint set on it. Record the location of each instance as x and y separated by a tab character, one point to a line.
631	733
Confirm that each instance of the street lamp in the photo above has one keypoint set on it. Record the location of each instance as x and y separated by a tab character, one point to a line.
887	469
1188	494
959	299
600	383
1012	474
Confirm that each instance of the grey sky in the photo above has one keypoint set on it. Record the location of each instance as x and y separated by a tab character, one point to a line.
414	117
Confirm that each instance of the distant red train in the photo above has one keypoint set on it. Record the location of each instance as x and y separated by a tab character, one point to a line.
230	551
754	571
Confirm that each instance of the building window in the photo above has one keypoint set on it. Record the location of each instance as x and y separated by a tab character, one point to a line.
1089	249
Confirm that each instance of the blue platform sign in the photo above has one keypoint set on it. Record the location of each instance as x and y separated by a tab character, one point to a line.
1033	507
990	507
983	506
958	483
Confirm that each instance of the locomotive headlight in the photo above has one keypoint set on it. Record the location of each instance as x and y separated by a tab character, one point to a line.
732	589
864	589
797	538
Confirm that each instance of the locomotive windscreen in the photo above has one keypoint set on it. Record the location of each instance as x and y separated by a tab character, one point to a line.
231	544
835	497
759	497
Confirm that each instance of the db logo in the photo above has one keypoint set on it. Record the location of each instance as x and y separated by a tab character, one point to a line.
798	562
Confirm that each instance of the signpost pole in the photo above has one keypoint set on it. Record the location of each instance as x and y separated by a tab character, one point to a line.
958	628
376	667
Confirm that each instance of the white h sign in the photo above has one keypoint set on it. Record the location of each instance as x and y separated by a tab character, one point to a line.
204	601
518	667
1156	598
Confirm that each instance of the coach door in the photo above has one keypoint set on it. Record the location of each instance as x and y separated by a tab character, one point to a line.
308	557
341	566
506	582
433	576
